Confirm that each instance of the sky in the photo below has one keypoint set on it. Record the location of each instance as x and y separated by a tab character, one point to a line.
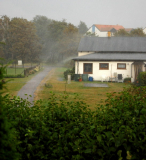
128	13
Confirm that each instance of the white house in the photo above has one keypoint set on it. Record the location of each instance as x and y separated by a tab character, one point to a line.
104	58
104	30
144	30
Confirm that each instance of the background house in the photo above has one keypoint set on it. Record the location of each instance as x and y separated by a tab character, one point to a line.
144	30
109	56
104	30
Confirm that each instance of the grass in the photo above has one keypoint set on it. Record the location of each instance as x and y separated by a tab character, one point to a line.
91	96
14	85
13	71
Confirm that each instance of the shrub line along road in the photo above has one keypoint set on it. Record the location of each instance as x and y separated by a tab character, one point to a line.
30	87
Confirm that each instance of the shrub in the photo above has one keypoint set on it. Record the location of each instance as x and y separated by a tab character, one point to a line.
123	122
8	140
14	76
48	85
69	72
142	78
71	131
128	79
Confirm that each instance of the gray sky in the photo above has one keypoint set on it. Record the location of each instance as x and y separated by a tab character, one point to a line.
129	13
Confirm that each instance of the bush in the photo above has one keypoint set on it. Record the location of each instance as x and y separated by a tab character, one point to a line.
69	130
142	78
123	123
8	139
69	72
14	76
128	79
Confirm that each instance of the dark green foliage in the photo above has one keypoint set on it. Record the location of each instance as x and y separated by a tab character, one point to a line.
123	123
121	33
8	139
69	72
128	79
71	131
14	76
138	32
142	78
82	28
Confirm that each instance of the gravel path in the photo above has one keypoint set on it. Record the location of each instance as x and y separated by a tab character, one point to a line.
30	87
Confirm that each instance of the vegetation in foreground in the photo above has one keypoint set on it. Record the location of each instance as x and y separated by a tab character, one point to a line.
70	130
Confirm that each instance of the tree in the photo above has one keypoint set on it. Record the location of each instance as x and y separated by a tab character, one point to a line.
121	33
2	49
82	27
20	37
4	26
134	33
64	38
41	23
137	33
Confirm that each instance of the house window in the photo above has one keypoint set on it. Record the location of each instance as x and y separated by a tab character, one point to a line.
121	65
104	66
88	68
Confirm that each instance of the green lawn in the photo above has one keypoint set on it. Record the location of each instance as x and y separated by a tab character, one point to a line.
13	71
15	84
90	95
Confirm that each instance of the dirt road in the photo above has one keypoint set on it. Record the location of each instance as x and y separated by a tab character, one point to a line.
30	87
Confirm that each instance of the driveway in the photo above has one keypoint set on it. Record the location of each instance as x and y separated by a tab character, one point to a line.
30	87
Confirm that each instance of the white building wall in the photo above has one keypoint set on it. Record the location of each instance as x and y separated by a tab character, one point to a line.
144	30
99	74
90	30
100	34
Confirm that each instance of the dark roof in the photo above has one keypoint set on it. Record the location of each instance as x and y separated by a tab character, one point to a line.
112	57
112	44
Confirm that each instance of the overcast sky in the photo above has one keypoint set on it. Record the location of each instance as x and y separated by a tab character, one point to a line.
129	13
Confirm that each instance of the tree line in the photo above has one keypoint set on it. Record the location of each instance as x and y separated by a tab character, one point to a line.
138	32
39	39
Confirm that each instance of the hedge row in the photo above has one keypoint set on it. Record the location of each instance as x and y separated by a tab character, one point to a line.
14	76
70	130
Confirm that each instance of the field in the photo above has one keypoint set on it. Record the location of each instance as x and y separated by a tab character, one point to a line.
91	95
13	71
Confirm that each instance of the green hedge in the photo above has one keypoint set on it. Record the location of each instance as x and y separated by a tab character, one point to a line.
70	130
8	137
14	76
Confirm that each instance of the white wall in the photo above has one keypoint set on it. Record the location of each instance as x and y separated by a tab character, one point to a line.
90	30
144	30
98	33
98	74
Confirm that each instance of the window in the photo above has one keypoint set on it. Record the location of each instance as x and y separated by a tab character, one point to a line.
104	66
87	69
121	65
